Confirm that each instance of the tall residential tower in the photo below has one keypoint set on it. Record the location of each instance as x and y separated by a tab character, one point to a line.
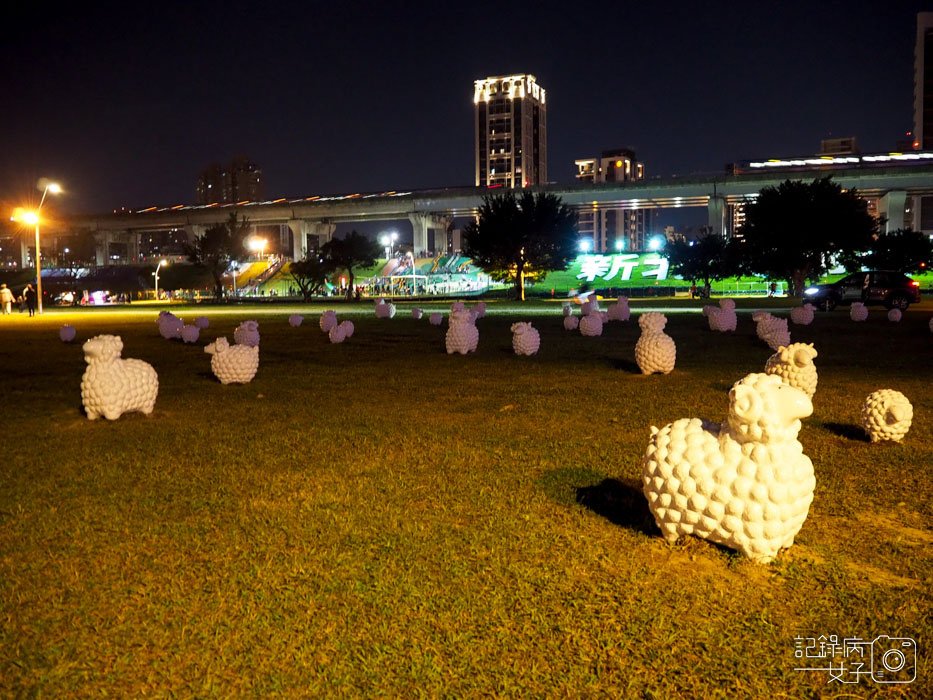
510	128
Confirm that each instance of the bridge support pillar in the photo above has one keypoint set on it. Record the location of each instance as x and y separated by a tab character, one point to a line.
421	223
23	253
892	207
716	214
302	228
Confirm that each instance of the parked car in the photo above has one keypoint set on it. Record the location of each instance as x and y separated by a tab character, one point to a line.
893	289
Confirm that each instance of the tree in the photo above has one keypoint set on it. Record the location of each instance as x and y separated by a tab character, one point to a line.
522	238
78	251
795	230
707	258
310	274
219	246
902	250
352	251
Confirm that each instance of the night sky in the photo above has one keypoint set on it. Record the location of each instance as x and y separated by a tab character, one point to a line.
126	108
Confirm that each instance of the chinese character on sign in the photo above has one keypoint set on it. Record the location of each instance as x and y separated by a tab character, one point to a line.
882	660
593	266
626	263
661	272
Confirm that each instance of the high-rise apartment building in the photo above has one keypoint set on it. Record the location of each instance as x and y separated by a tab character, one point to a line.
510	128
240	181
613	228
921	218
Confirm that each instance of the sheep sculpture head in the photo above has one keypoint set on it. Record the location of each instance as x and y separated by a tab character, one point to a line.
887	415
794	364
218	346
762	408
652	321
102	348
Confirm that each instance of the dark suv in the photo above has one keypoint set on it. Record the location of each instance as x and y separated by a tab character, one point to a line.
893	289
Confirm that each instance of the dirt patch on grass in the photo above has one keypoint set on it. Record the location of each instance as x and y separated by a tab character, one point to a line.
912	535
880	577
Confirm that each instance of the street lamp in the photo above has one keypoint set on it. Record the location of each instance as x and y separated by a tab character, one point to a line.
388	240
161	264
257	245
33	219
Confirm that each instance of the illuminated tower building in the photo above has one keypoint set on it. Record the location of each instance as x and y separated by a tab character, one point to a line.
241	181
510	129
613	228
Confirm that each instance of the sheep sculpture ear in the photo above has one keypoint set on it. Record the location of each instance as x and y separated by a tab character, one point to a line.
746	403
897	413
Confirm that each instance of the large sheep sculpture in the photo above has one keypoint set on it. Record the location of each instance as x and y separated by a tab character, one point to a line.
745	484
794	365
247	333
655	350
619	311
722	318
66	333
525	338
169	325
328	320
802	315
591	324
112	386
233	364
462	334
771	329
886	415
858	312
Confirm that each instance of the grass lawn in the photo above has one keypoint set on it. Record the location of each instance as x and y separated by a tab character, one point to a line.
381	518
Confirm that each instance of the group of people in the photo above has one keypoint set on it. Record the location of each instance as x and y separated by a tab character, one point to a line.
26	300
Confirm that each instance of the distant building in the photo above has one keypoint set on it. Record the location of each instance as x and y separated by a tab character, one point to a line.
240	181
613	229
847	146
510	130
921	216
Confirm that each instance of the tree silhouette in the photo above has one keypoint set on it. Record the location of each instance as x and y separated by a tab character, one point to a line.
708	258
310	274
219	246
519	239
795	230
902	250
352	251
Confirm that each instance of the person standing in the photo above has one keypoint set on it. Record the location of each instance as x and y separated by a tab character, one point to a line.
30	294
6	299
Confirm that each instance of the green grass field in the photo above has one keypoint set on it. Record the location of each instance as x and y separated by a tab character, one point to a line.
379	518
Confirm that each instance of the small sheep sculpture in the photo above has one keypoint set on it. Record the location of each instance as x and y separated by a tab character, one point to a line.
568	310
233	364
722	318
886	415
895	315
417	313
525	338
858	312
771	329
436	318
112	386
295	320
571	323
348	328
384	309
802	315
931	324
591	325
169	325
190	333
745	484
247	333
328	320
202	322
619	311
590	306
480	309
655	351
337	333
794	365
462	334
66	333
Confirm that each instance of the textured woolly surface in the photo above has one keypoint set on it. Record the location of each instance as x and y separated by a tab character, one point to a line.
379	518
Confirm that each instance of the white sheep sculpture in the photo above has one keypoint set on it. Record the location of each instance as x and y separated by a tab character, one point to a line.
328	320
723	318
337	334
887	415
591	325
895	315
384	309
858	312
571	323
655	351
619	311
802	315
480	310
202	322
462	334
190	333
794	365
436	318
457	306
745	484
112	386
233	364
169	325
66	333
417	313
771	329
590	306
295	320
525	338
247	333
348	328
568	310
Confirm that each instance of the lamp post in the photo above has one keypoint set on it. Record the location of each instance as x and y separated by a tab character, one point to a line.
414	280
33	218
156	273
235	267
258	245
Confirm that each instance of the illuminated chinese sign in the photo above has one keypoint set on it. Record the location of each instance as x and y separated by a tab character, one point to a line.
623	267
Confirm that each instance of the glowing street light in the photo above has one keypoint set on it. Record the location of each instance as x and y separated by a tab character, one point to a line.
620	244
257	245
161	264
33	218
388	241
585	245
656	242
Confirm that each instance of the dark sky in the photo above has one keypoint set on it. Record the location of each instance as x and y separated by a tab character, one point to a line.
125	108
